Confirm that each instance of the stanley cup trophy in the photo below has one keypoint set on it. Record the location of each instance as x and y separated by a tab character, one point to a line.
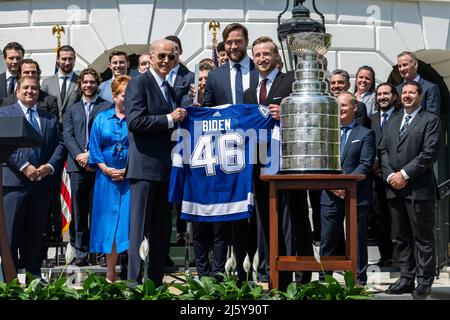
309	121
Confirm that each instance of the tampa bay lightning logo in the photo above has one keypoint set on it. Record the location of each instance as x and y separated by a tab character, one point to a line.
264	110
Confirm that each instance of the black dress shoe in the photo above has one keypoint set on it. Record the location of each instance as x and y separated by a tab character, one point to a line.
421	291
400	287
81	262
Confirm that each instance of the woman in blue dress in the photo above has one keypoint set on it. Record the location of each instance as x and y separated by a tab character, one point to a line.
111	205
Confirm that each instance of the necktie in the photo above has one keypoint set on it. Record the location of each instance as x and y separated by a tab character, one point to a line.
168	94
404	127
385	117
263	92
238	87
12	81
87	109
344	131
63	90
32	120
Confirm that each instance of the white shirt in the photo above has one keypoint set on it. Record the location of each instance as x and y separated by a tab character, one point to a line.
61	77
36	117
245	70
270	79
159	81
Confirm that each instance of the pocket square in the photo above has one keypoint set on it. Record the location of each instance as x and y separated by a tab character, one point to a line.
277	98
354	141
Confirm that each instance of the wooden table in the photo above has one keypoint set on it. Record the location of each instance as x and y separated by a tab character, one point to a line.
312	182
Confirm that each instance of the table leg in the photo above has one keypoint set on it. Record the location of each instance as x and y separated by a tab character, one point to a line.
273	250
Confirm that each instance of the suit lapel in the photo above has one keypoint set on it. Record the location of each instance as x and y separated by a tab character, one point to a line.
72	85
227	80
275	85
3	84
411	124
55	83
353	134
43	121
158	91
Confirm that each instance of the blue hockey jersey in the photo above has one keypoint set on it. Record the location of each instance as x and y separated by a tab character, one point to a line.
212	163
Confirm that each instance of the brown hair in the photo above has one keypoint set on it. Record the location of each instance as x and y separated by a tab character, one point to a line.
119	83
86	72
23	79
232	27
28	61
118	53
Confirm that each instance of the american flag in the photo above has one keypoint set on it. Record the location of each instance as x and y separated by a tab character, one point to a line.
214	54
66	200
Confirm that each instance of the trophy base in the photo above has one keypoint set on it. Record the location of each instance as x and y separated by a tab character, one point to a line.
310	171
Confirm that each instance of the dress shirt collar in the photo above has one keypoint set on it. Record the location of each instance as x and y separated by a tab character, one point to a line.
92	100
8	75
389	112
416	79
351	125
245	64
25	108
411	114
157	77
271	76
69	76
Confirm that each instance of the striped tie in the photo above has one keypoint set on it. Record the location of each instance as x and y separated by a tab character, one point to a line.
405	126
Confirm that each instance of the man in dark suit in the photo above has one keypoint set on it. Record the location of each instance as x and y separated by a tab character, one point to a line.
407	67
409	148
151	115
340	82
227	83
12	54
78	121
63	85
29	177
386	103
29	67
271	88
357	157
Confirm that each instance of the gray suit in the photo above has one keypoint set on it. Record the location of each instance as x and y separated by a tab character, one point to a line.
412	207
51	86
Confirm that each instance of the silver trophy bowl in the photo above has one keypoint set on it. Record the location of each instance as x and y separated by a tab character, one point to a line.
309	116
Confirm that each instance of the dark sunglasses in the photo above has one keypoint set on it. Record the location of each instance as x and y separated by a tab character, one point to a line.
162	56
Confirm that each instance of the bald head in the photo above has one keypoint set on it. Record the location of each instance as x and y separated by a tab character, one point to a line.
163	56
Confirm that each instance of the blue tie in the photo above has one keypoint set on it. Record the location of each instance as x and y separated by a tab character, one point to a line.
344	131
385	117
238	87
32	120
168	95
87	110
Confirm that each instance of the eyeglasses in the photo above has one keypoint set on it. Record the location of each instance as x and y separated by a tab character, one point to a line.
162	56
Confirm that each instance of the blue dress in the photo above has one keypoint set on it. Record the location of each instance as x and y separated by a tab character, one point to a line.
111	202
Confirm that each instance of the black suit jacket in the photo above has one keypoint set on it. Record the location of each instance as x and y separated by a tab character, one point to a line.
148	132
52	151
45	102
361	117
182	83
3	90
218	85
281	88
415	153
431	97
375	125
74	131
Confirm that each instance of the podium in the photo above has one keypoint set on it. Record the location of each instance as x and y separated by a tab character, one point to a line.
312	182
15	132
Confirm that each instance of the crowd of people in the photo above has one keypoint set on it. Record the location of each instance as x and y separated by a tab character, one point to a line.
116	138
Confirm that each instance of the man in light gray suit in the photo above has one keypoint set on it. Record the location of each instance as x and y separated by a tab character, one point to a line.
63	85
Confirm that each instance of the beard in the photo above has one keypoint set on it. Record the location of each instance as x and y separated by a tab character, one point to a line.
237	56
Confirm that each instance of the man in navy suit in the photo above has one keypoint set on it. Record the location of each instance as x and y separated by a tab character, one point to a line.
151	115
357	157
407	64
12	54
409	148
78	121
29	179
227	83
